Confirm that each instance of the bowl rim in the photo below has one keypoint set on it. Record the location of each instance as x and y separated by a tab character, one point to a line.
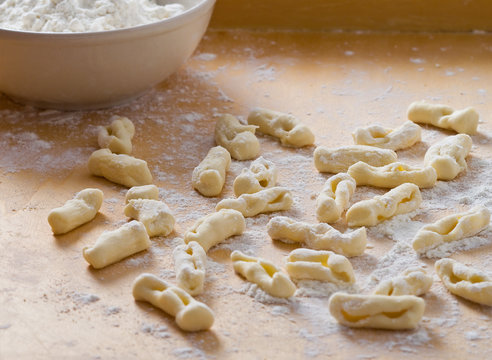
201	7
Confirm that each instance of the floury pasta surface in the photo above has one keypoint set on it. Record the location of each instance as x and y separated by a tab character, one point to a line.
83	15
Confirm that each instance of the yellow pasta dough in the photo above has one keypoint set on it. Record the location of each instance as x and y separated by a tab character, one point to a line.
413	281
75	212
268	200
402	137
238	139
260	175
142	192
214	228
155	215
334	198
400	200
190	261
469	283
119	168
190	314
289	130
319	265
338	160
117	137
448	156
317	236
208	177
392	175
113	246
462	121
263	273
452	228
377	311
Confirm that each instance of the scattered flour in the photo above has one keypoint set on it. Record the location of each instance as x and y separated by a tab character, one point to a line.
409	342
112	310
26	151
206	57
279	310
447	249
249	242
417	60
366	357
399	228
471	188
472	335
191	117
266	73
399	258
84	299
189	353
168	274
214	267
156	330
313	288
253	291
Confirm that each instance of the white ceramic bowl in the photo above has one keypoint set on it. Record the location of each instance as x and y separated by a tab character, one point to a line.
97	69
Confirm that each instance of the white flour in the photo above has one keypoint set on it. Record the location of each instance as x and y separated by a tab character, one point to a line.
83	15
157	330
320	289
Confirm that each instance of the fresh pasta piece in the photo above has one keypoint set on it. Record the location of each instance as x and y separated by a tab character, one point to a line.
402	137
462	121
413	281
319	265
288	129
317	236
121	169
377	311
113	246
335	197
448	156
400	200
75	212
467	282
238	139
117	137
260	175
215	228
264	274
209	176
190	261
340	159
268	200
189	314
155	215
392	175
452	228
142	192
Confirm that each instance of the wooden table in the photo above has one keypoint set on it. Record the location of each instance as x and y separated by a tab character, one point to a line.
54	306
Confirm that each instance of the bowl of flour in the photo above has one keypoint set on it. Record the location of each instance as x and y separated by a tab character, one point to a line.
84	54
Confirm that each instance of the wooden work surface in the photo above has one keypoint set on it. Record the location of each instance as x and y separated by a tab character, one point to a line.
54	306
374	15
